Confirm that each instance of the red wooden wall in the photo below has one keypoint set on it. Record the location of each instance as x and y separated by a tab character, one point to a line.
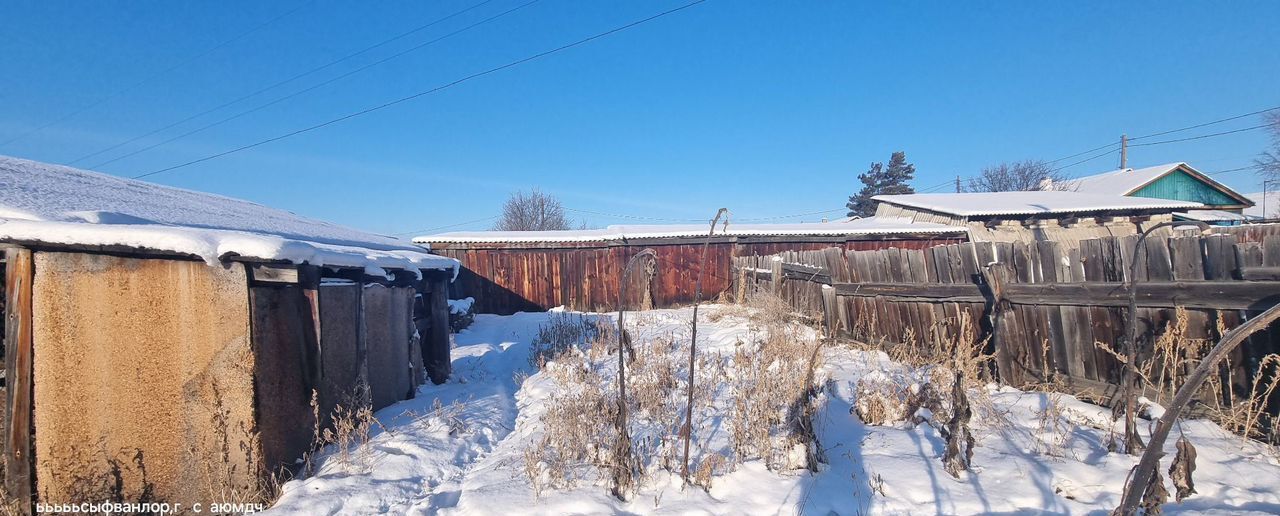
505	278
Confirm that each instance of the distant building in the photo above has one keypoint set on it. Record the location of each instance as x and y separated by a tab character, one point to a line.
1172	181
1067	217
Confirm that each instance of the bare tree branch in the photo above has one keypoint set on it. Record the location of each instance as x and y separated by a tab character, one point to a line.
1017	177
532	211
1268	161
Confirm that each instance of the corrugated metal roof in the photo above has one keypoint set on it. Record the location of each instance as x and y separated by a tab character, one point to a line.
1029	203
1118	182
865	226
1129	181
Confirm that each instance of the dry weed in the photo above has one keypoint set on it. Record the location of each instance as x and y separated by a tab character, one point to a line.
771	378
567	330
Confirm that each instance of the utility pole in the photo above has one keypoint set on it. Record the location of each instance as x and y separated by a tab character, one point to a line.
1124	152
957	184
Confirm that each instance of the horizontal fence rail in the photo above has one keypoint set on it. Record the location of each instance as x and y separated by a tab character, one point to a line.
1066	304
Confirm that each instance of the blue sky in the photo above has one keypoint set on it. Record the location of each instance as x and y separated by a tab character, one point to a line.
767	108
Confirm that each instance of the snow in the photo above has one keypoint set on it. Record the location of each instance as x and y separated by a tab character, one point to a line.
457	448
864	226
461	306
54	204
1119	182
1210	215
1029	203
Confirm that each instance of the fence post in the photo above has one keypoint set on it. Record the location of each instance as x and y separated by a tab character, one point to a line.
775	267
996	276
830	310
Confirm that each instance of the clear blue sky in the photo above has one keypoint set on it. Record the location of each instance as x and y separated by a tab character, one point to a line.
767	108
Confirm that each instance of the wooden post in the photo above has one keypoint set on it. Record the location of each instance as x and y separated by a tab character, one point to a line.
997	276
830	310
437	356
18	459
1124	152
309	281
775	266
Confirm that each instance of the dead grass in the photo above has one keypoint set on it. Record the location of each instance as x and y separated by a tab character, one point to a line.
1174	353
567	330
769	382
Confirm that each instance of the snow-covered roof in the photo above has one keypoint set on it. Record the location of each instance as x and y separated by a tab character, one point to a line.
1118	182
1210	215
1126	181
1263	208
864	226
59	205
1029	203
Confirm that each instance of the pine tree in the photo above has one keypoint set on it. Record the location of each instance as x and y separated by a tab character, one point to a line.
882	180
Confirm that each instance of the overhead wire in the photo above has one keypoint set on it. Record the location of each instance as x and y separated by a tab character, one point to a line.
426	92
316	86
149	78
277	84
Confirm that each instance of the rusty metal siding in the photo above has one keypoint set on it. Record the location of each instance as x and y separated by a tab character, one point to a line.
505	278
140	363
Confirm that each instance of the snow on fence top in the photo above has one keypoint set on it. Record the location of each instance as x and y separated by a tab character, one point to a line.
865	226
1030	203
59	205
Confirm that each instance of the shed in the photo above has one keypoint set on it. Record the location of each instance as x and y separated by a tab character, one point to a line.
163	344
1171	181
1037	215
511	271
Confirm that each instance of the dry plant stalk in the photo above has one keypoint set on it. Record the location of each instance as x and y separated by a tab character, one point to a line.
625	466
687	429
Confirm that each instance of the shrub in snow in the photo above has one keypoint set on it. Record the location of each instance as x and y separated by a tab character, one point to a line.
461	314
564	331
772	391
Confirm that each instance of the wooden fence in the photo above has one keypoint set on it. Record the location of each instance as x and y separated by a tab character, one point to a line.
1061	301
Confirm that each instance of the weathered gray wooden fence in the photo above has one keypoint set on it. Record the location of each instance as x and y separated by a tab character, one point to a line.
1061	301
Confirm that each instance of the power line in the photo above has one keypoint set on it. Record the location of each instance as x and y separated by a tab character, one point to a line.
318	85
1082	153
1086	160
281	83
1161	133
1228	119
438	228
1256	127
1231	170
151	77
633	217
429	91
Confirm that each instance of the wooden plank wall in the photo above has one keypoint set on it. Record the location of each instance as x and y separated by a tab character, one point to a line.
1037	341
505	278
18	456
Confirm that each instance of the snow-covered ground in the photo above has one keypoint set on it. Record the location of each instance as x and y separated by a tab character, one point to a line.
458	448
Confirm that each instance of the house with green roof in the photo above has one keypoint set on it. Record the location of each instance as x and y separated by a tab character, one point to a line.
1172	181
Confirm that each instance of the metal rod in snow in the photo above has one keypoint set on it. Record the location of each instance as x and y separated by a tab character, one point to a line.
687	429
